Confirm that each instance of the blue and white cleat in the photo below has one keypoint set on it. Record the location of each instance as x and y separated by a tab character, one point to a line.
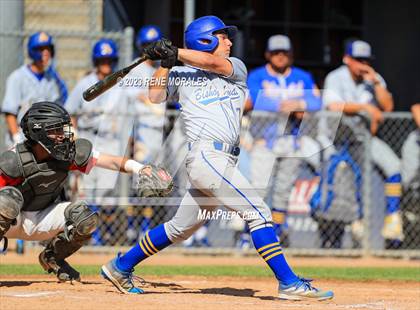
303	290
123	281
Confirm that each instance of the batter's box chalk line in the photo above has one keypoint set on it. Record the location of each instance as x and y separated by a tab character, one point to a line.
30	294
379	305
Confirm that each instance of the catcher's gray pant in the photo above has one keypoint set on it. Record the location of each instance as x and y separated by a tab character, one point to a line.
215	181
410	154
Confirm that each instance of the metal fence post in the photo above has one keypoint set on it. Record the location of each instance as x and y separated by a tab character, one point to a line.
127	47
367	190
125	59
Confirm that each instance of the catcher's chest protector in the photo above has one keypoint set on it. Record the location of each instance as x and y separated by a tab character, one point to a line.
43	182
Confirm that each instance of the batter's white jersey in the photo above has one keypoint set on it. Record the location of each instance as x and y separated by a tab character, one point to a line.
211	105
23	89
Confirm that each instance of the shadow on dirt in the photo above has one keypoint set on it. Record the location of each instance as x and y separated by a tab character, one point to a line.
226	291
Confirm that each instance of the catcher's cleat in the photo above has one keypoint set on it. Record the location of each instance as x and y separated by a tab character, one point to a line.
123	281
60	267
302	289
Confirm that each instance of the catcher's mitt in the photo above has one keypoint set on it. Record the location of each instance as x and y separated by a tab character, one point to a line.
154	181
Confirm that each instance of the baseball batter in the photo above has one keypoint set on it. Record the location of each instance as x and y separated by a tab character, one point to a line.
212	96
356	87
32	176
31	83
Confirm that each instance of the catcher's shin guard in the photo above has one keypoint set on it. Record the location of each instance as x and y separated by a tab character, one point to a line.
80	224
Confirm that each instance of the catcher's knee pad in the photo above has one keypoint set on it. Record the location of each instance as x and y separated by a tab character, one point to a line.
11	201
81	221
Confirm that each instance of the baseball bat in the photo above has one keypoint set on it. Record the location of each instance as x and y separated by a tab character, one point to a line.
102	86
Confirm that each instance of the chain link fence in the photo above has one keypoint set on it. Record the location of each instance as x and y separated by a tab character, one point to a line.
321	176
333	187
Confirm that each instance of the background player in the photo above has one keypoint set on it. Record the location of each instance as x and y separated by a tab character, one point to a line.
32	176
211	110
410	152
105	122
356	87
150	118
286	91
31	83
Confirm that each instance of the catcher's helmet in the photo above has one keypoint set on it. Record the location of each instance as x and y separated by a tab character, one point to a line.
37	40
148	34
199	35
49	124
105	48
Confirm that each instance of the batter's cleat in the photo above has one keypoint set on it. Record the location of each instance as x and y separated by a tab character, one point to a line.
393	229
122	280
302	289
60	267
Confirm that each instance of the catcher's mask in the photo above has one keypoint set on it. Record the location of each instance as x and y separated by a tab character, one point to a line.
49	124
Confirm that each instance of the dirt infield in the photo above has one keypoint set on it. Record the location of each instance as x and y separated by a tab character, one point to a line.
199	292
190	292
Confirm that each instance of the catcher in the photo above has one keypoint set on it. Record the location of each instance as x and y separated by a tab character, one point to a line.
32	176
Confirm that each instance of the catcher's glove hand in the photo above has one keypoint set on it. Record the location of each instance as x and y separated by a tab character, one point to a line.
154	181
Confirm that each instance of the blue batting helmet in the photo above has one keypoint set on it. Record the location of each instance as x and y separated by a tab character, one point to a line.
148	34
199	35
105	48
37	40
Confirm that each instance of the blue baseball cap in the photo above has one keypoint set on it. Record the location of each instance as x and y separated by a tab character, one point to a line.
359	49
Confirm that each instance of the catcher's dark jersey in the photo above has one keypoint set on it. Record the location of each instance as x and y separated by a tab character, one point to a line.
41	183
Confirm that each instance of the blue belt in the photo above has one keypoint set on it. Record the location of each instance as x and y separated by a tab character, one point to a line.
224	147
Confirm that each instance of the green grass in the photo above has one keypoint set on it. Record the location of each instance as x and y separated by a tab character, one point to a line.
351	273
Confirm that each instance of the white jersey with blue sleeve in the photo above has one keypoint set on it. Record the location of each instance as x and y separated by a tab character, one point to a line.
211	104
23	88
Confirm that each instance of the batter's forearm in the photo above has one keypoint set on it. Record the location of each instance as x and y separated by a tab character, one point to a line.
12	124
207	61
157	88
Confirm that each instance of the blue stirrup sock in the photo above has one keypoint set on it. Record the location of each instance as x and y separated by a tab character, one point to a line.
152	242
268	247
393	193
